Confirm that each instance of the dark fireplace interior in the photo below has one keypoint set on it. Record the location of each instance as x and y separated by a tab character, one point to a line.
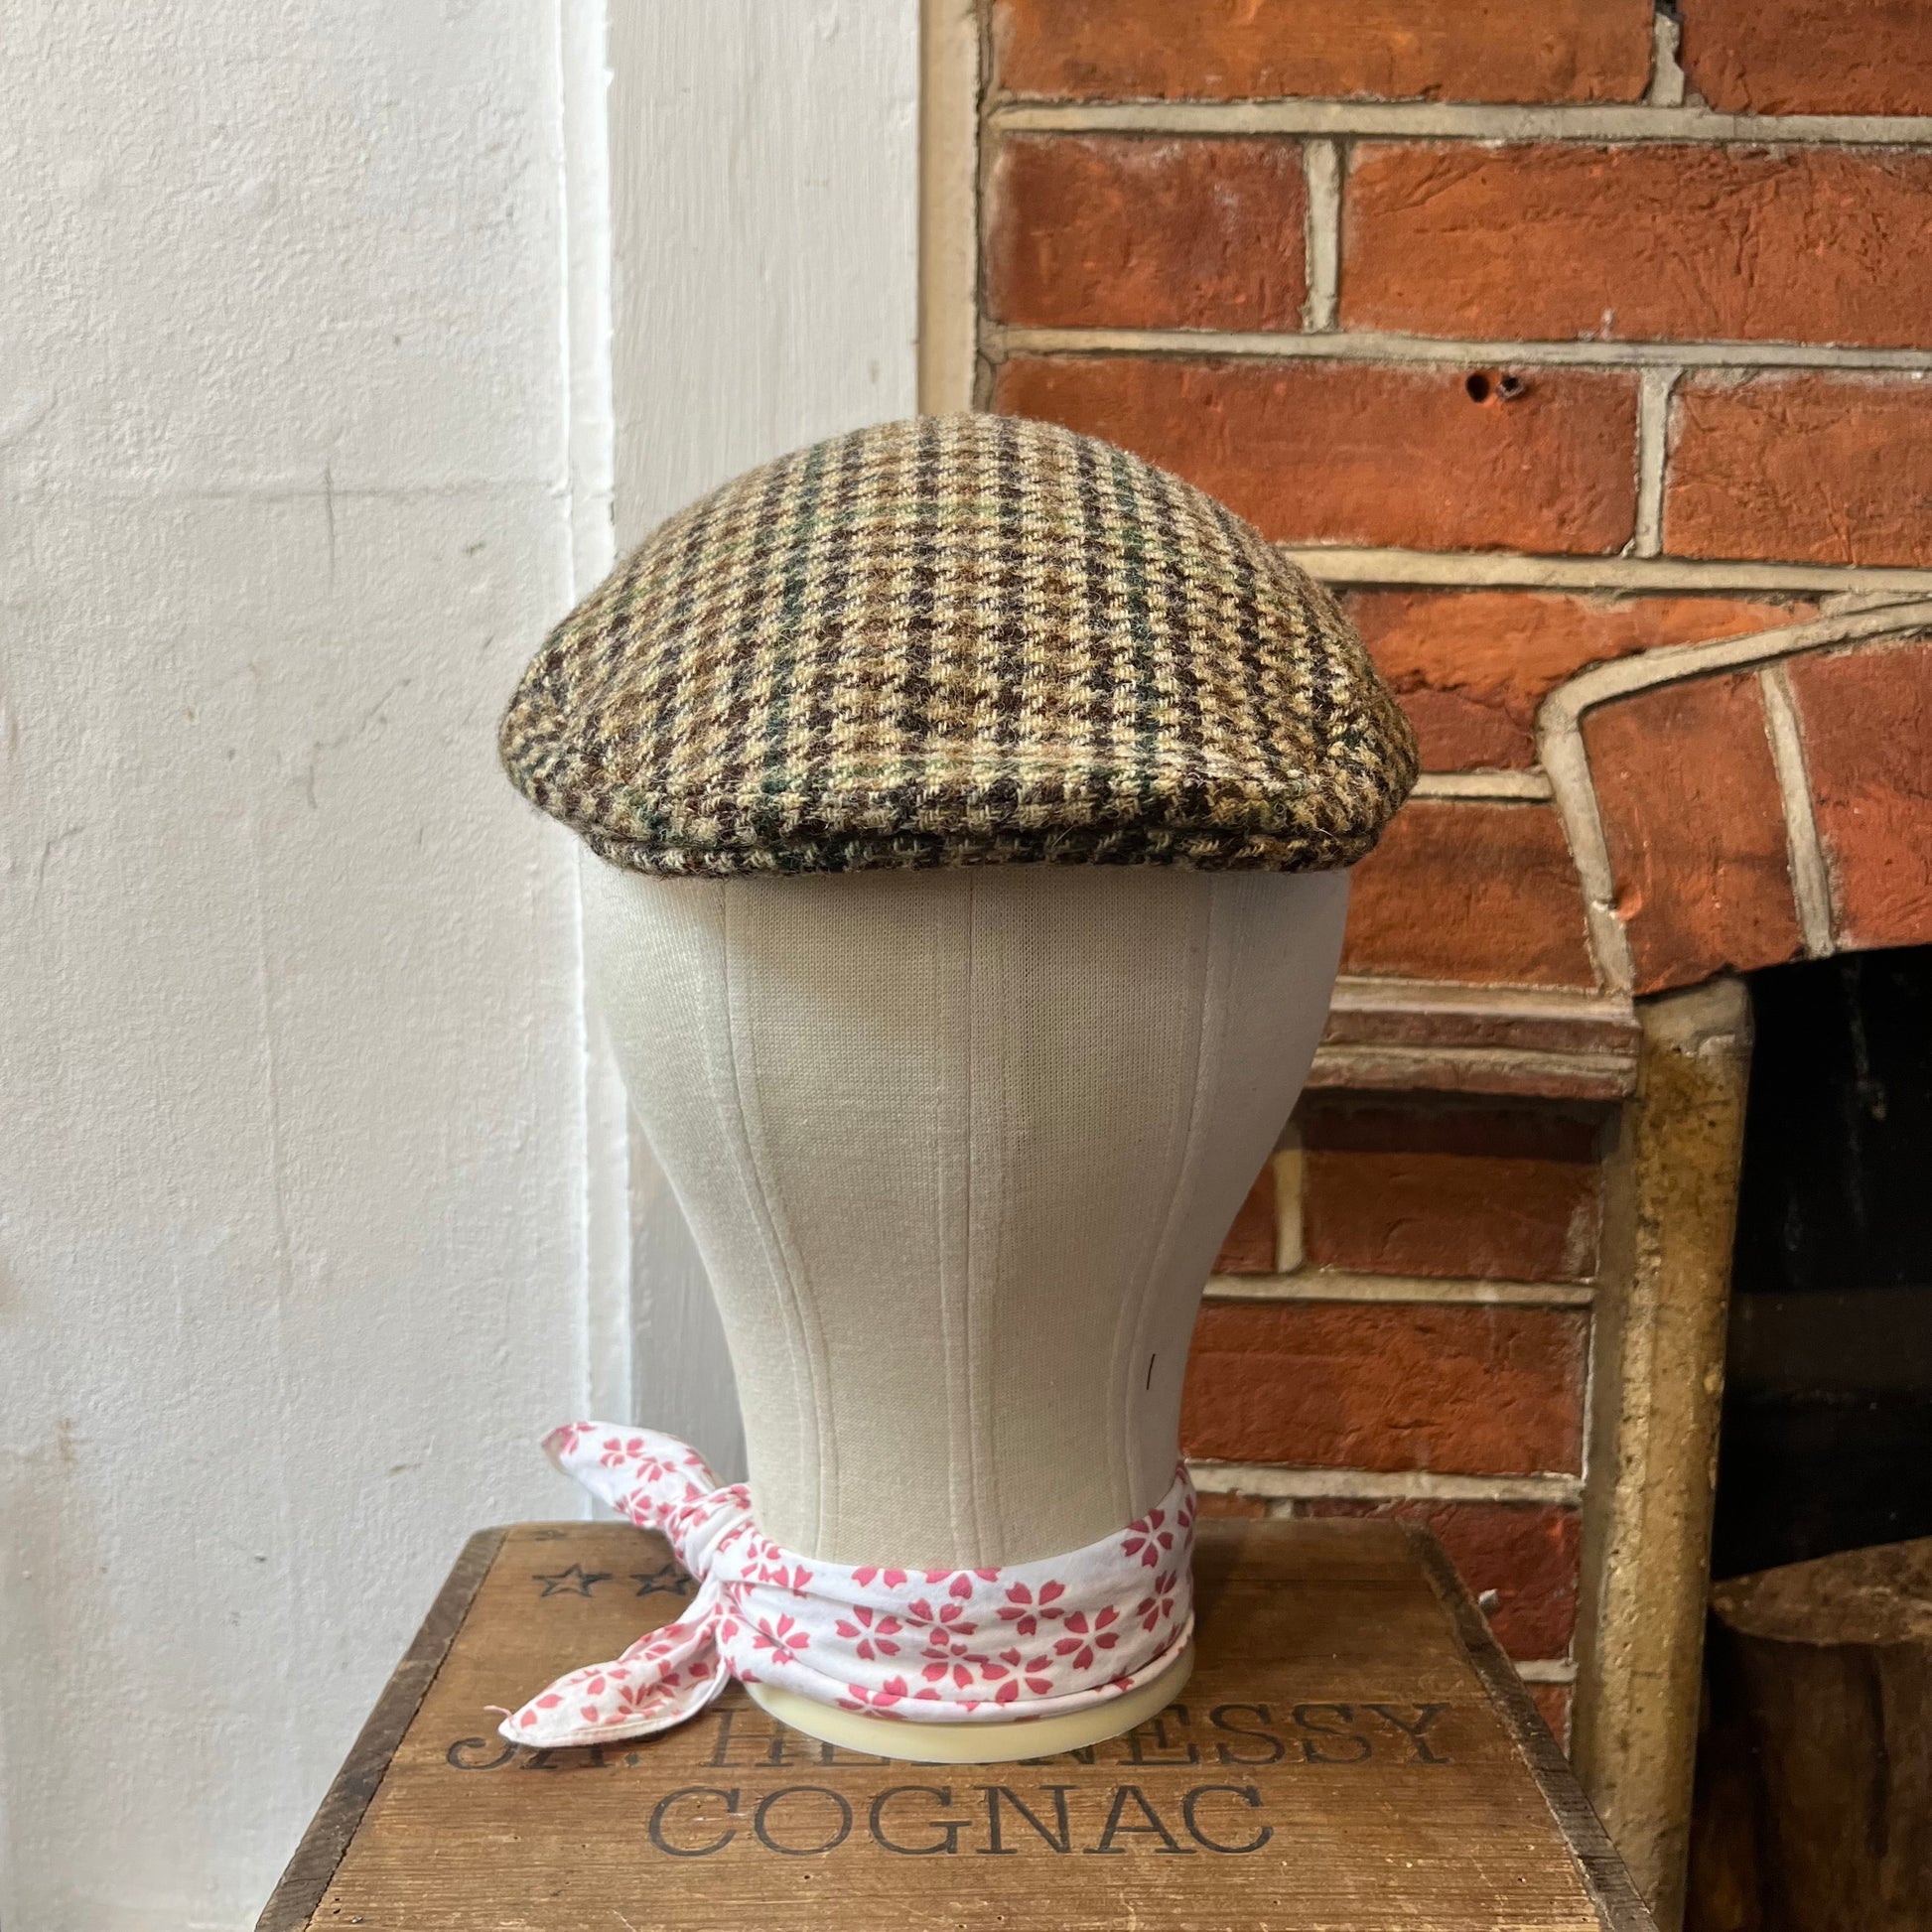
1827	1433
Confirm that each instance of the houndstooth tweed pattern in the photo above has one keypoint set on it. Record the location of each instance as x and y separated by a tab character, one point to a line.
959	641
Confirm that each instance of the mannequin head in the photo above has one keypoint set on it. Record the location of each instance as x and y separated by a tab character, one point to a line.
957	1147
973	801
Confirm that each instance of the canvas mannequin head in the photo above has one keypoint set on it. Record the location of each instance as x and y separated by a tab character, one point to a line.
957	1149
970	805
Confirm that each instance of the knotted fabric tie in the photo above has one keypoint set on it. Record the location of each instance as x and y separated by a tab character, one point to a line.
943	1646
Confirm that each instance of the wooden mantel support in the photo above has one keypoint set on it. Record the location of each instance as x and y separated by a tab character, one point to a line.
1659	1378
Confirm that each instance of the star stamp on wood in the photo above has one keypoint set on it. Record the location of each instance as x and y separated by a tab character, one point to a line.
1353	1751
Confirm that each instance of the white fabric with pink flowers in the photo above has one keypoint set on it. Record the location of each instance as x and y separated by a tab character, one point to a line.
944	1646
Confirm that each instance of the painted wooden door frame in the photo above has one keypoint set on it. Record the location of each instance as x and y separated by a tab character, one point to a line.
764	171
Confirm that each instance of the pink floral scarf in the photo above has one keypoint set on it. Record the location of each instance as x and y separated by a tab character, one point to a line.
944	1646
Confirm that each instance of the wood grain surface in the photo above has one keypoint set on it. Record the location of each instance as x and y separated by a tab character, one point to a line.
1815	1769
1353	1753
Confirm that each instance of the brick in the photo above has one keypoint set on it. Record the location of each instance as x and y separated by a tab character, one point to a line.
1383	50
1527	1553
1479	893
1210	1504
1865	717
1344	1124
1124	232
1480	1391
1366	452
1441	1216
1250	1245
1695	823
1801	468
1554	1701
1460	729
1808	57
1645	243
1471	667
1509	1194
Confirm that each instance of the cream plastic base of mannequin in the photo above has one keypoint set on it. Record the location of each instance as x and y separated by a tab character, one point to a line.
912	1742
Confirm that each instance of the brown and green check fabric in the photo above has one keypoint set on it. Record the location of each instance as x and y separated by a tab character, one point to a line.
959	641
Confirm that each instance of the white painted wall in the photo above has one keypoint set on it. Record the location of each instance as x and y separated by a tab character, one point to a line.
764	204
292	1168
314	1198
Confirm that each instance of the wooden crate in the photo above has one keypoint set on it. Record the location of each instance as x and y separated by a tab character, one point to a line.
1353	1753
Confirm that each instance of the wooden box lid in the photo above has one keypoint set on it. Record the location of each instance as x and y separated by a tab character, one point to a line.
1353	1751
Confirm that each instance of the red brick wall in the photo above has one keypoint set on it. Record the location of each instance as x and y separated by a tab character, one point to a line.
1399	1325
1480	308
1609	417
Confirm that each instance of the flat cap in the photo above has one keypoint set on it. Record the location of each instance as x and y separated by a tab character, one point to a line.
959	641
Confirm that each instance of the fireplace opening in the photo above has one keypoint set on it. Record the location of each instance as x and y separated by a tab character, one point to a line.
1827	1426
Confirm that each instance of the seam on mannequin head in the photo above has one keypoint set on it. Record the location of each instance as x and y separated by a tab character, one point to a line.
969	1529
1130	1336
956	1296
992	1531
800	1329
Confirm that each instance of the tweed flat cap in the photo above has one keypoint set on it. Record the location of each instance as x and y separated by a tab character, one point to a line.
959	641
